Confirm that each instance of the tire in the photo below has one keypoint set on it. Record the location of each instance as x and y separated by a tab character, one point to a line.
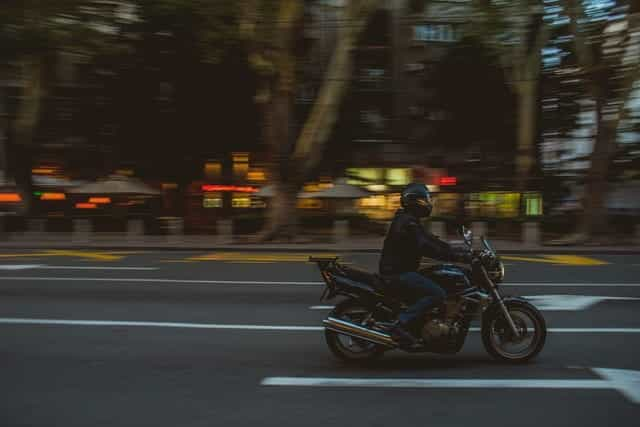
495	326
360	350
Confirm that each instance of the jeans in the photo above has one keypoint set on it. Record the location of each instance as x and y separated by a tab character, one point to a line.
423	291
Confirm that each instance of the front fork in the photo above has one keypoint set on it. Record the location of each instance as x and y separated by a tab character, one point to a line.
493	289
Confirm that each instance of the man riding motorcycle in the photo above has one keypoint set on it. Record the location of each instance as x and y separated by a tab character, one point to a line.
404	246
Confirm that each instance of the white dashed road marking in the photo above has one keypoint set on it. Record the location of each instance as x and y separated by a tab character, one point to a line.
271	282
625	381
247	327
71	267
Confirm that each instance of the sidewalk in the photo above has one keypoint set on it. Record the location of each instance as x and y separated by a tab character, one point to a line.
214	243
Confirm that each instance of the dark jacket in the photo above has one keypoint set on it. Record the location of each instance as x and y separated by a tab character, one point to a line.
407	242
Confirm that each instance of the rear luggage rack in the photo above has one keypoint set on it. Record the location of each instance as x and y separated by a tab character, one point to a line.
323	260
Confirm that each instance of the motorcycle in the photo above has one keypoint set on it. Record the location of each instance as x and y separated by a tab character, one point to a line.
359	327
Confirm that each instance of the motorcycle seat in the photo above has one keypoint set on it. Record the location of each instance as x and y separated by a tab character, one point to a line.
363	276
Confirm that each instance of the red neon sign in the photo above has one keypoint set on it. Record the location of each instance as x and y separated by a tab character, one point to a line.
448	180
234	188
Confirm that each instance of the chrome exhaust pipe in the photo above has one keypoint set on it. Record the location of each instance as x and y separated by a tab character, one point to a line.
357	331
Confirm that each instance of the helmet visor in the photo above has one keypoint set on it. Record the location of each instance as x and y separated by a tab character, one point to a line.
424	201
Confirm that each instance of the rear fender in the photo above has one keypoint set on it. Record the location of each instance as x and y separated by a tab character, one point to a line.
347	287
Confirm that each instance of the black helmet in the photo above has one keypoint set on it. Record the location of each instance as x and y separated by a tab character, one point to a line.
416	199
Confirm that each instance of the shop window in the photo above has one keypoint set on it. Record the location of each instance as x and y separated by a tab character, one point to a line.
494	205
359	176
212	200
240	200
435	33
398	176
373	119
533	204
446	204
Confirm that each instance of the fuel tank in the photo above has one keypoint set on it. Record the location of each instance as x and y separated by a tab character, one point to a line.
452	278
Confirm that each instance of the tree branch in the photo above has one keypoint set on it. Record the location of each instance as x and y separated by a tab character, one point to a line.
248	19
323	116
289	17
533	58
583	49
632	75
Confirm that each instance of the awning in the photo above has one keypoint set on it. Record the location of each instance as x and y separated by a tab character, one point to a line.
116	184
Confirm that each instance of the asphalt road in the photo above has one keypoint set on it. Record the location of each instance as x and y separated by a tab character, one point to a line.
194	339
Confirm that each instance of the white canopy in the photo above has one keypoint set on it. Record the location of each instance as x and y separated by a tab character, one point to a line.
52	181
268	192
116	184
340	190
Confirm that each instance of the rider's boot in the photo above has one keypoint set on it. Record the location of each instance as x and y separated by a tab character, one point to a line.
401	333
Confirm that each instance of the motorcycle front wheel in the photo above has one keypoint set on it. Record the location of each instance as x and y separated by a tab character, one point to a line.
347	348
499	340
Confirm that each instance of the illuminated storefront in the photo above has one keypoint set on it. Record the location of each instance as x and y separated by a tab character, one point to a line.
392	177
502	204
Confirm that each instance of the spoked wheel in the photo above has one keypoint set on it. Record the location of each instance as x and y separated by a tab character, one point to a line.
348	348
499	339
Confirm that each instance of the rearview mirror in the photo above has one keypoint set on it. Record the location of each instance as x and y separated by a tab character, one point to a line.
467	235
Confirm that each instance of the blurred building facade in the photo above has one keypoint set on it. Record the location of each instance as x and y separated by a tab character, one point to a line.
384	137
391	112
394	64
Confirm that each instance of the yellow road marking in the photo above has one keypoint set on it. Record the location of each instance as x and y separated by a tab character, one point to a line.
96	256
559	260
576	260
179	261
247	257
84	255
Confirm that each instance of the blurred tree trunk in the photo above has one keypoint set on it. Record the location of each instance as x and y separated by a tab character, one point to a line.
3	133
527	67
293	161
527	96
26	122
276	66
521	61
324	114
594	220
611	96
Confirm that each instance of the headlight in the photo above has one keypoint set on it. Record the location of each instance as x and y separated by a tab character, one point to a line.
497	273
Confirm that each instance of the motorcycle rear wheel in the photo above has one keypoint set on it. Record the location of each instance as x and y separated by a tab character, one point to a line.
346	348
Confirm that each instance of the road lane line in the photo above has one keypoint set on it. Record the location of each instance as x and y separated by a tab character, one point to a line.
16	267
626	382
595	330
247	327
571	302
433	383
127	323
574	260
100	267
87	255
152	281
571	285
70	267
585	330
280	283
548	302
